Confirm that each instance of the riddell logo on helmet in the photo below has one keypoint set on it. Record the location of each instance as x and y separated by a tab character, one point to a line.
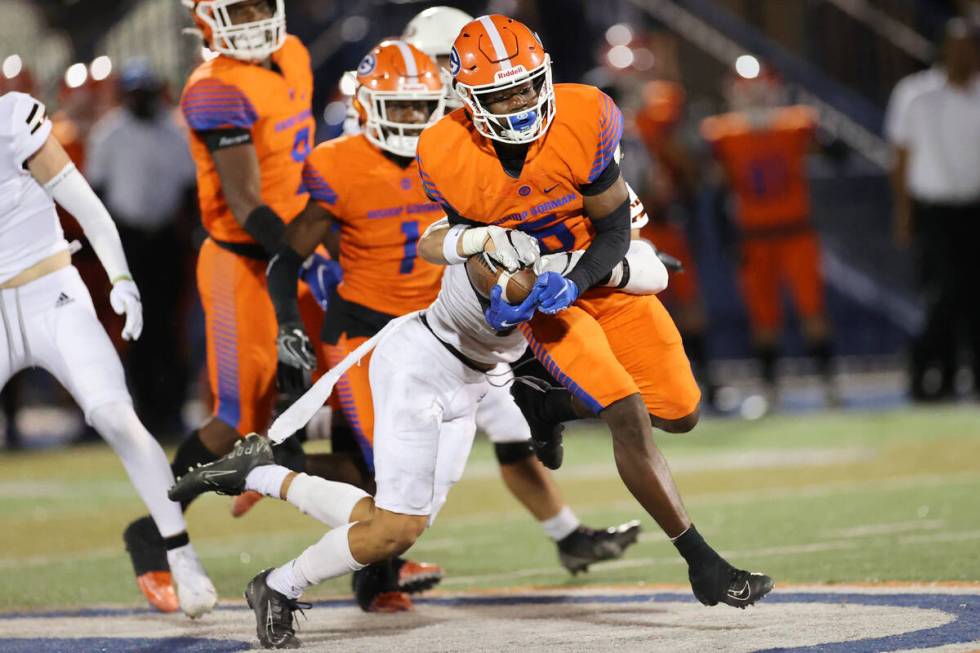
516	71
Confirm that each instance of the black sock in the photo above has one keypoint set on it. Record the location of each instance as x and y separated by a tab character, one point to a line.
176	541
190	453
694	549
767	362
821	352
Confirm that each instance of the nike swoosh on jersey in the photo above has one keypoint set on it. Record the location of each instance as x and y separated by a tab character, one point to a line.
548	190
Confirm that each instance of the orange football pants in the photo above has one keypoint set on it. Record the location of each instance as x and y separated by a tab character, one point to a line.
241	328
353	390
609	345
767	263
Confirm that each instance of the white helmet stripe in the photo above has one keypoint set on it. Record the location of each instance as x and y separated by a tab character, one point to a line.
410	68
498	43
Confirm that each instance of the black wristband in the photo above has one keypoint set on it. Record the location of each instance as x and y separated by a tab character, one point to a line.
609	247
266	228
282	277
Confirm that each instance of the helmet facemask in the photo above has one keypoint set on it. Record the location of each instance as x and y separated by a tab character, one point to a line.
248	41
520	127
399	138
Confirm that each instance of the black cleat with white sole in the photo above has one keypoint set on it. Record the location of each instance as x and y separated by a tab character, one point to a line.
273	613
586	546
718	582
227	474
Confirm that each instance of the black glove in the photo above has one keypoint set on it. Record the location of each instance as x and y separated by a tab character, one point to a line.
296	360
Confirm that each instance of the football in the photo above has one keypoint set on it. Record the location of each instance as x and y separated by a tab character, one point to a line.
484	275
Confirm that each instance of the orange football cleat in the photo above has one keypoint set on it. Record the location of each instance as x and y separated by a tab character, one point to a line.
389	602
158	588
244	502
417	576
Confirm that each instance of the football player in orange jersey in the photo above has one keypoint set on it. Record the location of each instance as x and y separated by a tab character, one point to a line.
368	186
539	158
249	112
658	122
762	147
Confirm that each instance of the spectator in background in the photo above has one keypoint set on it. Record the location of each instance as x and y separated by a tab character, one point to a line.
762	148
936	178
138	162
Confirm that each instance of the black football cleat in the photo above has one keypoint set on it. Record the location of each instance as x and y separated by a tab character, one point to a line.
586	546
546	435
227	474
273	613
719	582
376	588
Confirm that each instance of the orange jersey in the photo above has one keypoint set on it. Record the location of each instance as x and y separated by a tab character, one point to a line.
382	211
274	106
766	167
461	171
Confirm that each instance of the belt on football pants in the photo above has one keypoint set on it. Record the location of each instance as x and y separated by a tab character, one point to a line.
483	368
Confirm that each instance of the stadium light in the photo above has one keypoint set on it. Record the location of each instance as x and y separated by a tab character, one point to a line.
619	34
747	66
100	68
620	56
335	113
12	66
348	84
76	75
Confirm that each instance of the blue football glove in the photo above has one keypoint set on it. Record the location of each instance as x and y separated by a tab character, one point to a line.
556	292
322	275
502	316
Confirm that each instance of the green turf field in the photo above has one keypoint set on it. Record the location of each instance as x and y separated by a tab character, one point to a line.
846	497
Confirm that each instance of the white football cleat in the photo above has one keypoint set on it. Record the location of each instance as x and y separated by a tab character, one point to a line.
195	591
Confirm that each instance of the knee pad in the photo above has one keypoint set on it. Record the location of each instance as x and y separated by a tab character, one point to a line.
509	453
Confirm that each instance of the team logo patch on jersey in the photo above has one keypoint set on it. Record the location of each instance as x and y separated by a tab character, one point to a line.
367	65
454	64
524	191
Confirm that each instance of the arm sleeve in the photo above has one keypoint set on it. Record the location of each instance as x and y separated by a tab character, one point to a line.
611	242
211	104
25	125
282	275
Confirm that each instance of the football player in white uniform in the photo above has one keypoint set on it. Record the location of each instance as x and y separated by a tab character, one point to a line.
48	320
428	375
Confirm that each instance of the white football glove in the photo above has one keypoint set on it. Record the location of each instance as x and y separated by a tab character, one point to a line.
511	248
125	298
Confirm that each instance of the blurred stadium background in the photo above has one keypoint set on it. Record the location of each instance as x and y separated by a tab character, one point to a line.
871	457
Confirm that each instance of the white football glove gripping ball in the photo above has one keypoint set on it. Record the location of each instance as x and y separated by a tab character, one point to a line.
125	298
511	248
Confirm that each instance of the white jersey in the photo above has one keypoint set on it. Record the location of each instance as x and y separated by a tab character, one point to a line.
456	318
29	227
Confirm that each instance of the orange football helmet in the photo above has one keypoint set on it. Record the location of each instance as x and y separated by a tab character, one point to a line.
394	72
494	53
252	40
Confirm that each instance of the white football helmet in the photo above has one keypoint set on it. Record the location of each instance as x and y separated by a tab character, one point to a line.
247	41
433	31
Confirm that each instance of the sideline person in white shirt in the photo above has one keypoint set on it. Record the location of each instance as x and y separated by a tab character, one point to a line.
937	207
48	320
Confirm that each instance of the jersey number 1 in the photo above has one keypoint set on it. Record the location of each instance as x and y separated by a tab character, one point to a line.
411	230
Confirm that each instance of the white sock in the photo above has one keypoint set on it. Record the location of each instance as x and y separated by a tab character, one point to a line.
267	479
561	525
326	501
328	558
144	460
